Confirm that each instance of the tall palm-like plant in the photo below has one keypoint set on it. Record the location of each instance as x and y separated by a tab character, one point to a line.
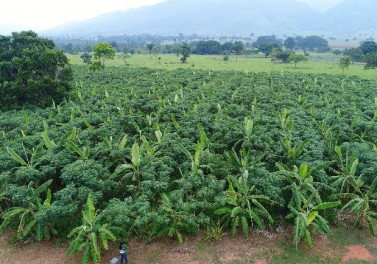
345	178
131	170
361	202
244	205
305	202
91	235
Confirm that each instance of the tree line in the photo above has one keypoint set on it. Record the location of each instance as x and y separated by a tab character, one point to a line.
201	46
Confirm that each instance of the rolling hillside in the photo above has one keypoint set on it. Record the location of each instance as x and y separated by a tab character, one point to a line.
228	17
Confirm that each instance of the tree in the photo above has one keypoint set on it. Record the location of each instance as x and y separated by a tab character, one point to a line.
279	55
185	51
226	48
238	48
207	47
267	48
31	71
267	39
371	60
69	48
150	47
296	58
337	52
102	51
86	58
314	43
355	54
289	43
368	47
344	63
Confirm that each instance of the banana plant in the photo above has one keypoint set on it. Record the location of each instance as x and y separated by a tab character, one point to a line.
244	161
286	123
83	153
249	126
50	144
71	135
91	235
176	219
130	170
294	152
302	179
26	216
329	134
306	215
345	177
244	206
361	202
195	161
32	162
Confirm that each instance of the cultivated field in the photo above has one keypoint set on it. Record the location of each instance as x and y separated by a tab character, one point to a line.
209	166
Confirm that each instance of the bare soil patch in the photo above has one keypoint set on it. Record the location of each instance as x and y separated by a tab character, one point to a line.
358	253
261	247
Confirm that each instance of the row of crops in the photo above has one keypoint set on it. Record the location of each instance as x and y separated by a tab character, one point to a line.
147	153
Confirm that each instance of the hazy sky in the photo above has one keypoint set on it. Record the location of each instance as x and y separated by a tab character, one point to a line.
44	14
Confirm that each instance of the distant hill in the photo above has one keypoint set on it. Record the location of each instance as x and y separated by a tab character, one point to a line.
351	16
227	17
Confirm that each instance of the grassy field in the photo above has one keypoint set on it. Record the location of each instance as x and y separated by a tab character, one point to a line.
318	63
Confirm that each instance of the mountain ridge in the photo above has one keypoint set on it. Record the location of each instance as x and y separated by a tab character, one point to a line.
225	17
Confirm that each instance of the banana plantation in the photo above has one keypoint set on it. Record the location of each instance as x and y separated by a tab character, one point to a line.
139	152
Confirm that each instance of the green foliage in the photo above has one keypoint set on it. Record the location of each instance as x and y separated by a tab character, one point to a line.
86	58
26	217
238	48
345	177
150	47
360	199
306	215
344	63
102	51
305	201
185	51
368	47
31	71
267	48
280	55
215	232
92	235
155	149
296	58
362	203
244	206
371	61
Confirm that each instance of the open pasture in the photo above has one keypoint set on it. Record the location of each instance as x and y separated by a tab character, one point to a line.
318	63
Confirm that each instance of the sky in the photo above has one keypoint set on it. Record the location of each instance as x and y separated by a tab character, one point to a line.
321	4
40	15
45	14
